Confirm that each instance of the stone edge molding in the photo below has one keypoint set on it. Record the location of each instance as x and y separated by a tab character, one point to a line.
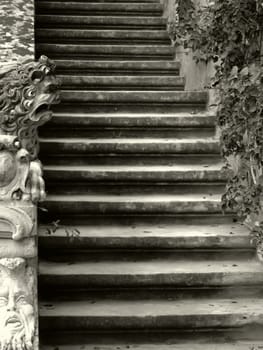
27	90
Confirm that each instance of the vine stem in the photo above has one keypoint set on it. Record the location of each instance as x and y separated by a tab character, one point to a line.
252	173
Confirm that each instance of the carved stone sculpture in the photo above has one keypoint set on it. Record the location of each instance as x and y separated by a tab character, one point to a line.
27	91
20	222
14	168
20	178
17	314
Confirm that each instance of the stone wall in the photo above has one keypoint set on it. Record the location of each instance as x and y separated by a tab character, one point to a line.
198	75
16	30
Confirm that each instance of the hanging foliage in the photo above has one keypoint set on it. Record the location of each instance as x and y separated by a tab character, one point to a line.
230	32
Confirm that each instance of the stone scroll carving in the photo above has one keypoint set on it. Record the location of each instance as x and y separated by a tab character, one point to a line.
17	309
21	224
27	90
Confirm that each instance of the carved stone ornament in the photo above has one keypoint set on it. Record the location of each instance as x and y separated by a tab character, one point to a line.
17	311
20	178
14	168
17	221
27	90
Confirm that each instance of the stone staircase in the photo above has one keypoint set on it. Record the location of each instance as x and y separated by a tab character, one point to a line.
135	252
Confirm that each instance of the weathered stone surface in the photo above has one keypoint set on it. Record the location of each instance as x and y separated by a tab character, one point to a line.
104	36
16	30
97	9
136	244
17	220
17	304
27	88
150	174
10	248
242	345
117	67
149	272
121	82
145	233
107	51
99	22
130	146
33	87
151	314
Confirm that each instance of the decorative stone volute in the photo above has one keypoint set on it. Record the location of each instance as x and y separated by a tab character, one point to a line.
19	221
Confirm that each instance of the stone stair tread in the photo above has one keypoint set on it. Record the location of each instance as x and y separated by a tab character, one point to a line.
142	234
121	81
155	230
133	119
96	7
99	22
189	172
192	197
131	145
140	96
176	314
234	271
141	66
113	1
186	197
139	168
80	34
162	50
98	201
240	345
107	51
134	140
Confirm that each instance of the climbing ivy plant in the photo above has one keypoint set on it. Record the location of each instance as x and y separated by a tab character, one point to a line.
230	32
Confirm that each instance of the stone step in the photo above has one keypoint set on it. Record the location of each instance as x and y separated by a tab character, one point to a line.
103	36
237	345
159	272
99	9
100	22
70	203
127	188
129	133
131	120
151	315
132	160
149	233
111	1
124	82
190	173
84	147
190	98
88	67
70	104
98	51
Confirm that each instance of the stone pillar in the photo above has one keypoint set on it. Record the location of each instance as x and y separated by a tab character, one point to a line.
27	89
